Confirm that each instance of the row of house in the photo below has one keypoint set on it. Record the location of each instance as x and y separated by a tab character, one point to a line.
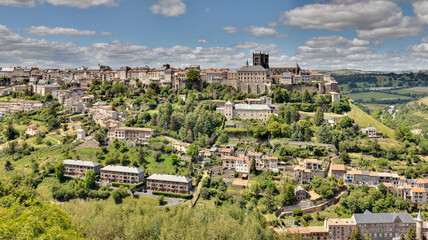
19	105
241	161
129	175
413	189
380	226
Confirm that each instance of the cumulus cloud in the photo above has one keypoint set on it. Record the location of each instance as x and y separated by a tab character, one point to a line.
44	31
264	32
272	49
203	41
421	10
18	3
407	27
169	8
370	18
331	41
17	50
230	30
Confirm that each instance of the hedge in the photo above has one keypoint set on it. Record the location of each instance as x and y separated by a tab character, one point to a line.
115	184
174	195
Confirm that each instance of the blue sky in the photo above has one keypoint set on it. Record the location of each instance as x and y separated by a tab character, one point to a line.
321	34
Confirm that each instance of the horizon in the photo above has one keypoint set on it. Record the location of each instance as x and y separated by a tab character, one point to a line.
368	35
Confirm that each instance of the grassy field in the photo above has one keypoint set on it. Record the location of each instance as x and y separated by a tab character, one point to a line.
423	100
377	96
364	120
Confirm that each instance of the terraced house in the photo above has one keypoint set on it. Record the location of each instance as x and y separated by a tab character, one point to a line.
169	183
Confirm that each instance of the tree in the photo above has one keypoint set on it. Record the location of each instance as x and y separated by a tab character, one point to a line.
340	182
355	235
402	236
100	137
8	166
59	171
297	212
306	97
161	200
411	234
193	75
382	188
253	168
10	133
324	134
319	116
192	151
157	155
290	197
345	122
344	156
90	178
173	158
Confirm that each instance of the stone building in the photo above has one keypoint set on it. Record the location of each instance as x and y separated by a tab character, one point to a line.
253	79
131	133
245	111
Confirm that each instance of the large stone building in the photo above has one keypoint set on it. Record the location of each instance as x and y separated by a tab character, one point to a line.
169	183
77	168
245	111
131	133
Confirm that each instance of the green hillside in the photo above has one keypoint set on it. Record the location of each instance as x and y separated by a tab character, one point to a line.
365	120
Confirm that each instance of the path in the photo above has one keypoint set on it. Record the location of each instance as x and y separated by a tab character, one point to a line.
302	143
171	201
198	189
56	140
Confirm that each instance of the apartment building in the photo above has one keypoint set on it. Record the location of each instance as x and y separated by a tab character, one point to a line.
78	168
242	166
122	174
339	228
180	146
229	162
169	183
131	133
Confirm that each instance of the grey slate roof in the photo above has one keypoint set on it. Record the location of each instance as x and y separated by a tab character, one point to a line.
244	106
368	217
170	178
122	169
283	65
80	163
254	68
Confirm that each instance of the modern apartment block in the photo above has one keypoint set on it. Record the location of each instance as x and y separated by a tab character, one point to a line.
131	133
122	174
169	183
78	168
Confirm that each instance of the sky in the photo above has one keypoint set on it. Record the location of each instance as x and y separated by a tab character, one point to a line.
382	35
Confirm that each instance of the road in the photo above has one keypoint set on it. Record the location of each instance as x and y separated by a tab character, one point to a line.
171	201
302	143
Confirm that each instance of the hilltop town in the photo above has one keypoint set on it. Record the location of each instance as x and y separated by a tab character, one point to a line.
276	150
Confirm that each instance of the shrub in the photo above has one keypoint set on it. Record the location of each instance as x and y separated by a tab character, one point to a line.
174	195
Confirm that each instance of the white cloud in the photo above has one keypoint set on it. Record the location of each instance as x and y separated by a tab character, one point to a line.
408	27
70	3
169	8
230	30
370	18
331	41
44	31
421	10
81	3
264	32
203	41
272	49
18	3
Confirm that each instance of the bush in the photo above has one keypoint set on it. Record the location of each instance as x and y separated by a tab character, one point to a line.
174	195
115	184
297	212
